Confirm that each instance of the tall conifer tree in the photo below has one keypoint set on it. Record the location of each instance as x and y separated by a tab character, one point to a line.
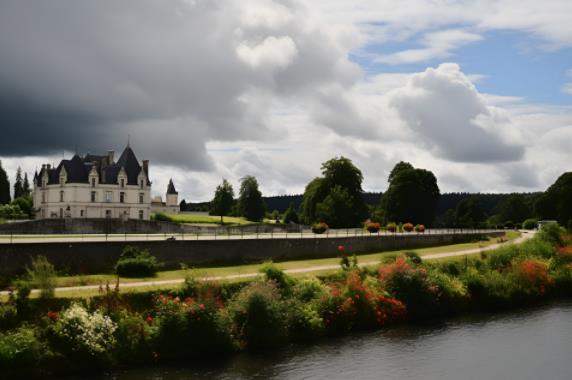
4	186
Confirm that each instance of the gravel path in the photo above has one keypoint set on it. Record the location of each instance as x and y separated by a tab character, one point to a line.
432	256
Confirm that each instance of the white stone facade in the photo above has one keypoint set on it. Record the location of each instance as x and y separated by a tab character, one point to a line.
95	189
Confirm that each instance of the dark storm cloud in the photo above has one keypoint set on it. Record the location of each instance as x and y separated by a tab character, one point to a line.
89	73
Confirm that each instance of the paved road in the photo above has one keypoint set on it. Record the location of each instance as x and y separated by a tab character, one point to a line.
72	238
432	256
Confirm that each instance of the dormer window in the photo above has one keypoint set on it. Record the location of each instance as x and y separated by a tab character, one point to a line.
142	183
122	182
93	182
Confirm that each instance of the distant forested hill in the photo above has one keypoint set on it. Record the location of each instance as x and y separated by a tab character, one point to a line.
489	202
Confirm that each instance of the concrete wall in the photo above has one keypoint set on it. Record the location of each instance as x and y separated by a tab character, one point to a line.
95	257
71	226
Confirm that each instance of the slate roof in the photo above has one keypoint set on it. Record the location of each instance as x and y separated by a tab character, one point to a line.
171	188
78	169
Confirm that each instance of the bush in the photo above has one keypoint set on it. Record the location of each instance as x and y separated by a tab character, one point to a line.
136	263
551	233
533	273
43	276
372	227
161	217
273	273
8	317
407	227
259	317
82	337
134	337
304	321
391	227
309	289
420	228
530	224
413	257
319	228
411	286
22	354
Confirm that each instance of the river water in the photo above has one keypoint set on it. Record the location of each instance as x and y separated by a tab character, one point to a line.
531	344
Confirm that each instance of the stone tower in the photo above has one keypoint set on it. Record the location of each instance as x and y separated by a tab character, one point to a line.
172	195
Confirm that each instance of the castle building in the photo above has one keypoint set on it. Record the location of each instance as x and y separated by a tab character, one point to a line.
171	204
94	187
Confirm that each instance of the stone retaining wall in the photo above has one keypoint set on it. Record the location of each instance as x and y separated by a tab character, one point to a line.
97	257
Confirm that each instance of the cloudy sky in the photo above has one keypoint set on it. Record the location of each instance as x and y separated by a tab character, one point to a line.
479	92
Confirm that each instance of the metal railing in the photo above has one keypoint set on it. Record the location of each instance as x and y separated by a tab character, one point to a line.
227	235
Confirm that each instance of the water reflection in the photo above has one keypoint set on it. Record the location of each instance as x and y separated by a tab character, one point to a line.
526	344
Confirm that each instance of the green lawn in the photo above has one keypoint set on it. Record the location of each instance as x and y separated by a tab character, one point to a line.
206	219
253	268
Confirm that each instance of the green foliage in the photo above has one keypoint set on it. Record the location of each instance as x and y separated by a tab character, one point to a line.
304	321
412	195
291	215
11	211
23	290
223	200
556	202
469	213
161	217
25	203
514	208
413	257
136	263
412	286
250	204
530	224
19	184
336	198
8	316
42	275
22	354
282	280
336	209
319	228
259	316
309	289
4	187
551	233
134	337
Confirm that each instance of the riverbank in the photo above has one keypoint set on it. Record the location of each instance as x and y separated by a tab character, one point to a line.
219	319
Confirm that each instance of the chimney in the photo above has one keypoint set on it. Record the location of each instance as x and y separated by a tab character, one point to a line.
110	154
48	166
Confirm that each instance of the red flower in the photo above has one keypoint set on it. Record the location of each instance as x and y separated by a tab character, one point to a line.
149	319
53	315
341	248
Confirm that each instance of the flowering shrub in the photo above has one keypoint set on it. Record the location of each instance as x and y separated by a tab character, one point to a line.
82	335
372	227
389	310
564	255
319	228
391	227
337	310
408	227
420	228
534	273
411	285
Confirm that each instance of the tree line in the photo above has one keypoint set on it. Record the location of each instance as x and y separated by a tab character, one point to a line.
337	198
21	205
